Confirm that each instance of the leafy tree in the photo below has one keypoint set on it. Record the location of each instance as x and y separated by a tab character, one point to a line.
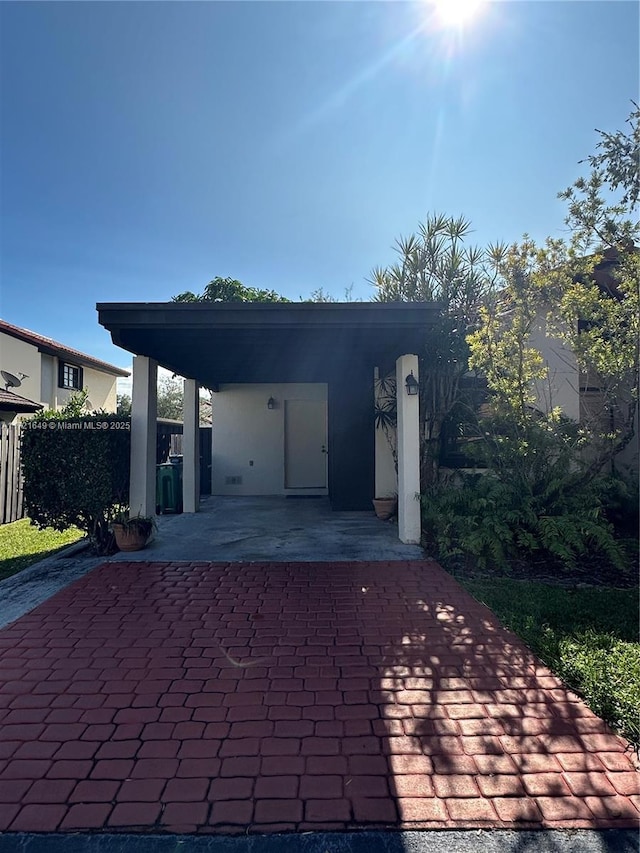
602	329
500	347
603	207
123	404
546	493
229	290
171	401
170	398
436	266
598	303
588	301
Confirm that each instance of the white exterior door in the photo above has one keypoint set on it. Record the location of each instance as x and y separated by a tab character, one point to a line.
305	444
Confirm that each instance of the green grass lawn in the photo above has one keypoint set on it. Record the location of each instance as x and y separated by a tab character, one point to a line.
22	544
588	637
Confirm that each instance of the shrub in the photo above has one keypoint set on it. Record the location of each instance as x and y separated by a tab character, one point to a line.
76	472
608	672
497	520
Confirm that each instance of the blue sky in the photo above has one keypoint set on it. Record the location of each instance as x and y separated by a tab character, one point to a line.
148	147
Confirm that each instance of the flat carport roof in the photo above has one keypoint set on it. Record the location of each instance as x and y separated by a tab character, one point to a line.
339	344
268	342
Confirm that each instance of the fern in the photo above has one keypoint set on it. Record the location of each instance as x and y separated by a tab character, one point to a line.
495	521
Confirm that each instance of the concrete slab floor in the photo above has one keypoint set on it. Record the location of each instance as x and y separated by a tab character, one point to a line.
249	529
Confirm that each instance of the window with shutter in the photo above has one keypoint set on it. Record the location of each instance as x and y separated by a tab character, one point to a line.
69	376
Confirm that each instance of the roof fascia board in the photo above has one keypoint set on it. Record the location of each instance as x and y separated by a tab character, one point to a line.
235	315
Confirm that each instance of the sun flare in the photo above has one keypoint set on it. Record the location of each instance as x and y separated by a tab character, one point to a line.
457	13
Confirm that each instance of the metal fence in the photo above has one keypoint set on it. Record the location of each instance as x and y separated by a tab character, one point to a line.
11	497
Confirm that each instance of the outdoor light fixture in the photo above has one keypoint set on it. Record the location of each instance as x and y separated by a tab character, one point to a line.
412	384
271	403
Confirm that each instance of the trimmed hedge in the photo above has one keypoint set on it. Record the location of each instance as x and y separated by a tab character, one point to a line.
76	472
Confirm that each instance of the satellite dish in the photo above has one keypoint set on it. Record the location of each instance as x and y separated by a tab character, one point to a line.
10	380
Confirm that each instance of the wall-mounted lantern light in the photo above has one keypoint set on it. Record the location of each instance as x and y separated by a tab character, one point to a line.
412	384
271	403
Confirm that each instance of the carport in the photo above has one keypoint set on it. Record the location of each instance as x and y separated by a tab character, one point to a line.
343	346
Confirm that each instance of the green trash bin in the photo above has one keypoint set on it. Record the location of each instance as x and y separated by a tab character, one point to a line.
169	487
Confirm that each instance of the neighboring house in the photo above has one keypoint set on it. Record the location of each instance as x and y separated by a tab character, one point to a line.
575	392
13	404
38	372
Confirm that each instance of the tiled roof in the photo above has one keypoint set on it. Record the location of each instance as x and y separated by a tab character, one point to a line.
10	402
51	347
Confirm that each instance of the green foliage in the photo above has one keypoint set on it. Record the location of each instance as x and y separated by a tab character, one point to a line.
170	398
75	407
22	544
385	413
142	524
588	303
496	521
601	325
602	208
608	672
588	637
597	307
385	410
230	290
436	266
500	348
321	295
124	405
76	472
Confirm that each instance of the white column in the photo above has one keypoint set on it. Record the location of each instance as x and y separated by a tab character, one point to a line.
191	447
408	452
144	407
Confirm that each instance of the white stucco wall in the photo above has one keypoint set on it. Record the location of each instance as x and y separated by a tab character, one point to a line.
101	387
20	357
48	380
386	477
245	431
561	388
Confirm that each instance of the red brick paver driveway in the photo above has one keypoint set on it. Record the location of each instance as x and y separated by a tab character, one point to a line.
209	697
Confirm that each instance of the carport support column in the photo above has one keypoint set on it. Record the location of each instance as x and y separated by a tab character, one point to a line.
144	407
408	452
191	447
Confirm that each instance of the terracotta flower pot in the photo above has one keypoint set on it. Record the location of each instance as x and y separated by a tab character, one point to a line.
129	538
385	507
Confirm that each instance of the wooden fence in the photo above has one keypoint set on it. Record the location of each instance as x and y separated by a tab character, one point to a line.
11	498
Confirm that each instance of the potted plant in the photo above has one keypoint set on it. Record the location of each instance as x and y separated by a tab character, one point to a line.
385	507
132	533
